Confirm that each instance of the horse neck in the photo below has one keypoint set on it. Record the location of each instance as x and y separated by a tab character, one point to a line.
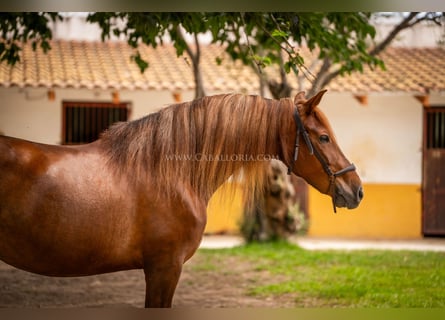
223	137
251	141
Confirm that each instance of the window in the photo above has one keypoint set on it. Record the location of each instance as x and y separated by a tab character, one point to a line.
83	122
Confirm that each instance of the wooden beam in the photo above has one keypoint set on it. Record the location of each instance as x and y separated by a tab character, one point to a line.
177	96
362	99
51	95
115	97
423	99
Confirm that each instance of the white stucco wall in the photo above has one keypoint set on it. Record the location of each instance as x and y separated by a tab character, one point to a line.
28	114
383	139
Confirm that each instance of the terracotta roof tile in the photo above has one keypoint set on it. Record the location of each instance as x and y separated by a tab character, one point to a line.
108	65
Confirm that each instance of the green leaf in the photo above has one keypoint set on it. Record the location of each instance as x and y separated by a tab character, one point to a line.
298	60
262	61
287	66
142	64
294	69
45	46
279	33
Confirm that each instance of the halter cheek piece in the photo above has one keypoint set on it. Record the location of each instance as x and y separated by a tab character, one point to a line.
332	175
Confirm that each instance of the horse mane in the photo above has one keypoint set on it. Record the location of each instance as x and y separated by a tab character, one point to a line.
202	143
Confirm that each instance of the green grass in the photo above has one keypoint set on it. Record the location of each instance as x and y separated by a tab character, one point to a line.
340	278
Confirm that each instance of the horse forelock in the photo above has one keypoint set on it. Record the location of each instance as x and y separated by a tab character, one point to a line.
202	143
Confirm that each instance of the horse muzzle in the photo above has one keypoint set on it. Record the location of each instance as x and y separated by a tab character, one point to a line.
344	198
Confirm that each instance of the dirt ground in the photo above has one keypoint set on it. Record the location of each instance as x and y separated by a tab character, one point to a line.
197	287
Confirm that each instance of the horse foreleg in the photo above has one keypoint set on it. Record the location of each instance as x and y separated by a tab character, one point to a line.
161	284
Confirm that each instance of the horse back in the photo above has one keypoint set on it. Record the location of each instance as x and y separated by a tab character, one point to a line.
17	155
65	211
53	200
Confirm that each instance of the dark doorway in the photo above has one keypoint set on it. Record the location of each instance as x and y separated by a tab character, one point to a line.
433	171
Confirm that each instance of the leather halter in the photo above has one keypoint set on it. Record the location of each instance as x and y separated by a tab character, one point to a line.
332	175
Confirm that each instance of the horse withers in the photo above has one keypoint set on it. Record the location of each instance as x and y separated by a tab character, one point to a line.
136	198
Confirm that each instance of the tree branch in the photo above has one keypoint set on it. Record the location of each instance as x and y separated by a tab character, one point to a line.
324	77
195	57
257	64
187	47
395	31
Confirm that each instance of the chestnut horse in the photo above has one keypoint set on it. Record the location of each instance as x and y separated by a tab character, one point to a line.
136	198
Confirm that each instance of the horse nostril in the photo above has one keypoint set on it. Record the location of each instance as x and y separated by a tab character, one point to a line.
360	193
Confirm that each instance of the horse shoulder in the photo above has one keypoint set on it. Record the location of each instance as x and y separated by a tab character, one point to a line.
177	221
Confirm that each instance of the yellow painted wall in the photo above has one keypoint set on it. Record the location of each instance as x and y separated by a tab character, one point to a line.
387	211
224	212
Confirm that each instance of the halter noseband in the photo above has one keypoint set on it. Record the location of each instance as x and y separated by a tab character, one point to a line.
312	151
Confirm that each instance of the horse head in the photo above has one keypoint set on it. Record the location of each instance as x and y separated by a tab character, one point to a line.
318	158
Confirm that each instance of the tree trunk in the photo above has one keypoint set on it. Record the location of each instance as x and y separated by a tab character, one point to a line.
277	213
280	89
325	75
197	75
195	58
199	86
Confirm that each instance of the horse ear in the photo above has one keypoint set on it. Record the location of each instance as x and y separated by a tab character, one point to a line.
300	97
310	104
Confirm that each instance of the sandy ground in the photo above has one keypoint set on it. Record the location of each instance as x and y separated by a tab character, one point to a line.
197	288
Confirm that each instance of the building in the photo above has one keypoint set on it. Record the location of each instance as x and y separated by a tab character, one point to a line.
390	124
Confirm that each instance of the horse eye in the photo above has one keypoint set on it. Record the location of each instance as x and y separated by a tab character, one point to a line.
324	138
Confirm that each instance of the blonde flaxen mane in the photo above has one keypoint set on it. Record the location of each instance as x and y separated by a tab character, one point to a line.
203	142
